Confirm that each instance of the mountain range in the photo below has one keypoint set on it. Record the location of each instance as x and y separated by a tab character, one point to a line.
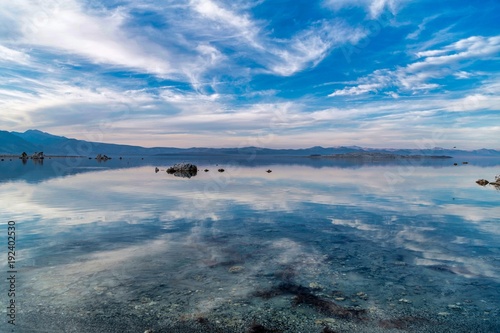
35	141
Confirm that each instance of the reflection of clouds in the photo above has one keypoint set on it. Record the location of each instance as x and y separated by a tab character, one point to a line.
484	218
289	251
138	195
468	241
134	193
72	281
354	223
431	249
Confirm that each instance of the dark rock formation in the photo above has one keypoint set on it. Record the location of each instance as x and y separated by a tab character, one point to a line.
257	328
497	181
156	170
401	323
221	170
482	182
24	156
38	156
326	329
100	157
269	171
184	170
304	295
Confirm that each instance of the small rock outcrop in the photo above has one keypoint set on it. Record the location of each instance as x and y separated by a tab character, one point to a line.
103	157
221	170
495	183
38	156
24	156
269	171
184	170
482	182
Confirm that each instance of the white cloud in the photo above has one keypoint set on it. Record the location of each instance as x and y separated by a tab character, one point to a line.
421	27
311	46
435	64
13	56
475	102
190	49
95	36
357	90
373	7
462	75
241	24
210	51
476	47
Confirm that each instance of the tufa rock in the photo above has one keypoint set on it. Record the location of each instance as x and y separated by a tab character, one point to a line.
482	182
184	170
100	157
38	156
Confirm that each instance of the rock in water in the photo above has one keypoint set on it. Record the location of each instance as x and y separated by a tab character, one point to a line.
482	182
38	156
100	157
185	170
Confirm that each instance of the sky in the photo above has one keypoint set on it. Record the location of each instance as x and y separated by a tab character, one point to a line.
235	73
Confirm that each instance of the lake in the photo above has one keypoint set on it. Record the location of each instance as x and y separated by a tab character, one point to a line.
313	246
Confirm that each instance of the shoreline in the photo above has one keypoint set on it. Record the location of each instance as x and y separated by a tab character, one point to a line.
45	156
378	156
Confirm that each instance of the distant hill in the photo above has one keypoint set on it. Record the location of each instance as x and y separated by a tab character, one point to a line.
35	140
13	144
60	145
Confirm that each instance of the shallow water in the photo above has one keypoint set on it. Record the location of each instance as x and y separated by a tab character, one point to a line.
305	248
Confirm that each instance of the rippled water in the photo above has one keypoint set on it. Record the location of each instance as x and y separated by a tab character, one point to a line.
306	248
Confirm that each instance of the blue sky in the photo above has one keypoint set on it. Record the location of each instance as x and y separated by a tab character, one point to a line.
276	73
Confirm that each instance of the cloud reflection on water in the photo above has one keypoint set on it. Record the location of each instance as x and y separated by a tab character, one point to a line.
118	234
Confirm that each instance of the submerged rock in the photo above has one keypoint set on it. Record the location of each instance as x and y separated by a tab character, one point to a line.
257	328
235	269
304	295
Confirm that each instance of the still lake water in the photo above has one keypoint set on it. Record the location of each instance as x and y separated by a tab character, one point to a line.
316	246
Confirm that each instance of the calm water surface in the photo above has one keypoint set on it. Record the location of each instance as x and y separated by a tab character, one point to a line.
386	248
